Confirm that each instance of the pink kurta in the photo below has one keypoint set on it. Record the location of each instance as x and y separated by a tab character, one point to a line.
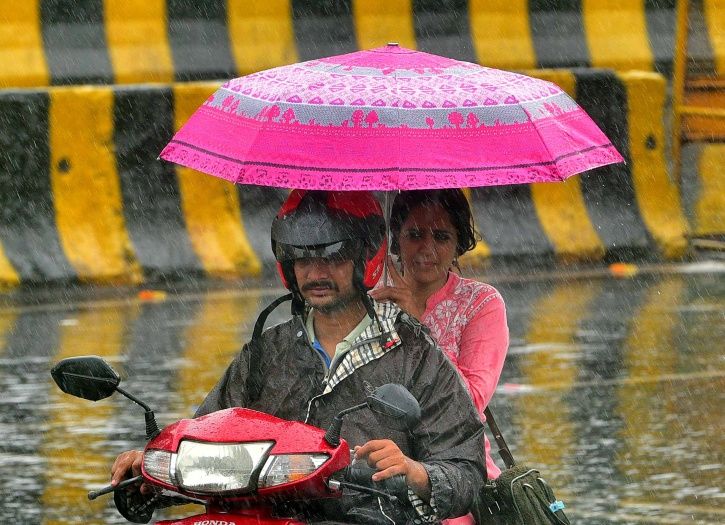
468	319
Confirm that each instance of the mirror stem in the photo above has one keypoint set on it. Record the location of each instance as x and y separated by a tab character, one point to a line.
332	436
152	429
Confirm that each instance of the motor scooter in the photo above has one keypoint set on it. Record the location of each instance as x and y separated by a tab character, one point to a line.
246	467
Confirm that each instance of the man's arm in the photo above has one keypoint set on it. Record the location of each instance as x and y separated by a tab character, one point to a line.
449	440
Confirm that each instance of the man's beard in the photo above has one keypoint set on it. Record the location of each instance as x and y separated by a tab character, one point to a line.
341	302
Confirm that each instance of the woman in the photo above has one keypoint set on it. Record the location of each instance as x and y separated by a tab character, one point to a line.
430	229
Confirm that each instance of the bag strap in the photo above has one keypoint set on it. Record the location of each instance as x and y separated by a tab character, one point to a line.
503	449
254	347
259	325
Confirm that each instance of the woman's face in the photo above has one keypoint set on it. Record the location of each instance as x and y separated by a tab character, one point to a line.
427	243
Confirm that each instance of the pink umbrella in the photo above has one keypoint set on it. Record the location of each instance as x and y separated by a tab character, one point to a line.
389	119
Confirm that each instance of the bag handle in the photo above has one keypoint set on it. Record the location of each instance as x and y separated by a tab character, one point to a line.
503	449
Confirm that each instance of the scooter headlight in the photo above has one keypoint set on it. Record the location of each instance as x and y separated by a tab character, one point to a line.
287	468
208	467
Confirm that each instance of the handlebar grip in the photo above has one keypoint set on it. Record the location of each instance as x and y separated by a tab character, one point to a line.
359	472
93	494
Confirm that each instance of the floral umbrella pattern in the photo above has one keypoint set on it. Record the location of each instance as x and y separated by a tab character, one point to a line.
386	119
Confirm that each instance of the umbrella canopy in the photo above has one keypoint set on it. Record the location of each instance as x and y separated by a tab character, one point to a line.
389	119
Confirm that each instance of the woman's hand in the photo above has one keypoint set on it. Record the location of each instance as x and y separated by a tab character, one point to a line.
387	458
400	293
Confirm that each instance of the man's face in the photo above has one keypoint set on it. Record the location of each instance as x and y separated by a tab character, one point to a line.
326	284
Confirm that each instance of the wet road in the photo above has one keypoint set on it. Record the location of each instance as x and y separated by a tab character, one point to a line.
613	387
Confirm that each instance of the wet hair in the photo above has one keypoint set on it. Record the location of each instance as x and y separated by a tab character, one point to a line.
453	201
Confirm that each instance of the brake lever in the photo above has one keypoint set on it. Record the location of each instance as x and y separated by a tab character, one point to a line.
338	485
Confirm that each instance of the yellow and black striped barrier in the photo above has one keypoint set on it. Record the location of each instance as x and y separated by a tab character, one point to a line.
623	211
83	196
51	42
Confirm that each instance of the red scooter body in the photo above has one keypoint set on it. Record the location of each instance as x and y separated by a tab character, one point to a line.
246	467
241	425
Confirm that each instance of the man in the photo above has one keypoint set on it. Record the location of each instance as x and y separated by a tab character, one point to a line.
339	345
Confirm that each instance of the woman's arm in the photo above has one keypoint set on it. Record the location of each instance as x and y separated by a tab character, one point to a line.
483	348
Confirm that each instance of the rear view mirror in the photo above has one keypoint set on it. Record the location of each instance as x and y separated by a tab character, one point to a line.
391	404
87	377
394	407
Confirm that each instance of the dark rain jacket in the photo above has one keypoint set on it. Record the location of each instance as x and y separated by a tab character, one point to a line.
292	382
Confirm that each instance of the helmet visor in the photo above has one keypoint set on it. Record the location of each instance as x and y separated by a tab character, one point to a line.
346	250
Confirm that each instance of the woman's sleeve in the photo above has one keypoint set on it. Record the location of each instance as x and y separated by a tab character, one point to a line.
484	344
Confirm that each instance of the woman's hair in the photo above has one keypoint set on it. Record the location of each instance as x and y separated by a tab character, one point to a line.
451	200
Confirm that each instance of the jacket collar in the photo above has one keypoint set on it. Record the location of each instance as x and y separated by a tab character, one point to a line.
368	346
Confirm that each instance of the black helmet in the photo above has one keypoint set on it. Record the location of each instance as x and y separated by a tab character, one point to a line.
346	225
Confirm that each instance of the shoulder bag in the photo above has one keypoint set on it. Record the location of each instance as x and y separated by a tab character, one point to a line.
519	496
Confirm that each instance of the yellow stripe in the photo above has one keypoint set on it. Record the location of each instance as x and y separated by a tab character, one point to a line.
378	22
137	42
560	206
220	329
78	460
657	196
501	34
86	188
616	32
7	322
222	326
211	205
552	337
479	256
22	58
650	352
261	34
715	20
710	207
8	275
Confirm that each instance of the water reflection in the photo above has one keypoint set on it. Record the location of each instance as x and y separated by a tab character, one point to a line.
613	388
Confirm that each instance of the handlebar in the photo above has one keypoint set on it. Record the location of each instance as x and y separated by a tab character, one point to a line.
360	473
110	488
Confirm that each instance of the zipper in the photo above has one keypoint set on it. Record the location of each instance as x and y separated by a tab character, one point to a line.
333	365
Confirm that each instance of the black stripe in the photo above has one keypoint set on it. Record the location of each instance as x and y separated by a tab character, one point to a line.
690	182
75	42
199	40
27	217
699	50
389	169
506	218
661	21
34	339
602	337
608	191
25	384
443	27
152	206
557	31
323	28
521	299
259	205
156	342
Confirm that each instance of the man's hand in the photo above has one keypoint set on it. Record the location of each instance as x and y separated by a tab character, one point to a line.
128	461
387	458
400	293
